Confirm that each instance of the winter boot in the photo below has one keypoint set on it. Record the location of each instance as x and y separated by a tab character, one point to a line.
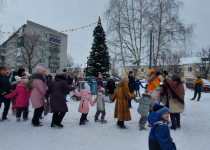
178	121
142	127
96	120
25	119
103	121
198	99
192	99
173	121
82	123
18	119
59	125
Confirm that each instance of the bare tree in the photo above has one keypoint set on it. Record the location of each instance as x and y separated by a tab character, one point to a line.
128	24
29	49
204	54
75	70
168	31
69	61
134	23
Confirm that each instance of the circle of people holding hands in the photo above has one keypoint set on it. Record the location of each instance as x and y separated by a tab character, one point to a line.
45	92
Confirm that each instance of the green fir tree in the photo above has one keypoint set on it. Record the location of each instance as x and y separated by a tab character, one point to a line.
99	59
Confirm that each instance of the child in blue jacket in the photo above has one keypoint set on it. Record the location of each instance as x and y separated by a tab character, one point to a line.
159	137
138	84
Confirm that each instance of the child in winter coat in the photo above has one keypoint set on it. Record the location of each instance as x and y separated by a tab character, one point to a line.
85	95
22	99
100	100
143	108
159	137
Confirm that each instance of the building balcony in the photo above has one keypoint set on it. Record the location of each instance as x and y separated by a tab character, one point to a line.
53	49
55	41
54	58
54	62
54	66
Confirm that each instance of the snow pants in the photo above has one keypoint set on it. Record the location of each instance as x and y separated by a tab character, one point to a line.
103	113
20	110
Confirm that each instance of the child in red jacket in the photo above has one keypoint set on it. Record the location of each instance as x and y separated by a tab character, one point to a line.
22	99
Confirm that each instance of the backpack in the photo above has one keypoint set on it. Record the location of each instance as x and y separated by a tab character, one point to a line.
29	85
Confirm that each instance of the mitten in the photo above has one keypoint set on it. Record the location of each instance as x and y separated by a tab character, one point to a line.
4	93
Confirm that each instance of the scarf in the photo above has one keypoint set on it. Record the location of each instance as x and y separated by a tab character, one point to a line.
176	89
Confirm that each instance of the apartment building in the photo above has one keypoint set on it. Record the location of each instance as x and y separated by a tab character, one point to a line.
52	48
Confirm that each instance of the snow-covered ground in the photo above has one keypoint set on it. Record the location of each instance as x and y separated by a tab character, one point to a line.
194	134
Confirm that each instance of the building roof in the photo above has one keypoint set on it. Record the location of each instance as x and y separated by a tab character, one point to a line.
190	60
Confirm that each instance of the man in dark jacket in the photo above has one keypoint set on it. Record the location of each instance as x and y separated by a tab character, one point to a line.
69	79
110	87
5	88
131	85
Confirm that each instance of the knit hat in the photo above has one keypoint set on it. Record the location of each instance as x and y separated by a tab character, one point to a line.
111	77
24	81
175	77
87	87
64	74
159	109
39	70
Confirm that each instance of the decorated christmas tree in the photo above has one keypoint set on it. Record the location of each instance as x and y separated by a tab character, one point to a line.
99	59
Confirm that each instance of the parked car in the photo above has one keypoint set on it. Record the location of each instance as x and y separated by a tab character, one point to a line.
189	83
205	88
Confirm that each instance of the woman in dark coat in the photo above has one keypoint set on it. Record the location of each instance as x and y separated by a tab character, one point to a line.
57	92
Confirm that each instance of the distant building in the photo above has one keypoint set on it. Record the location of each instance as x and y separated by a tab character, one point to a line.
188	67
52	48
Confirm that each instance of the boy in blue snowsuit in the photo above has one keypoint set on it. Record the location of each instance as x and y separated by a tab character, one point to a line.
159	137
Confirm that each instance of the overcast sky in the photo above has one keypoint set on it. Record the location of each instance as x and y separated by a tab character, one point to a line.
68	14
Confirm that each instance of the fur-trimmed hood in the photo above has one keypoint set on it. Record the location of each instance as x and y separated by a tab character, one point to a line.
38	76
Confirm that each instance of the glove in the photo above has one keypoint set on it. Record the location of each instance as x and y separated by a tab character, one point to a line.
4	93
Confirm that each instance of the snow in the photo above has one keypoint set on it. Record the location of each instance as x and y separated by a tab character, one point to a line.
190	60
193	135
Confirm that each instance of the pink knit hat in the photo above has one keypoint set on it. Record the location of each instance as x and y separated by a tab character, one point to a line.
39	69
24	81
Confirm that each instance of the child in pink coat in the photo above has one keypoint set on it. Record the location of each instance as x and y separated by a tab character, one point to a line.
22	99
85	95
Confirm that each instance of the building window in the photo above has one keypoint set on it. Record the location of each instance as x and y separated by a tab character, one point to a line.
52	71
189	69
42	61
43	52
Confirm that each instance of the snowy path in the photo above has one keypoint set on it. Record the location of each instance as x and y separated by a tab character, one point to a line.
194	135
